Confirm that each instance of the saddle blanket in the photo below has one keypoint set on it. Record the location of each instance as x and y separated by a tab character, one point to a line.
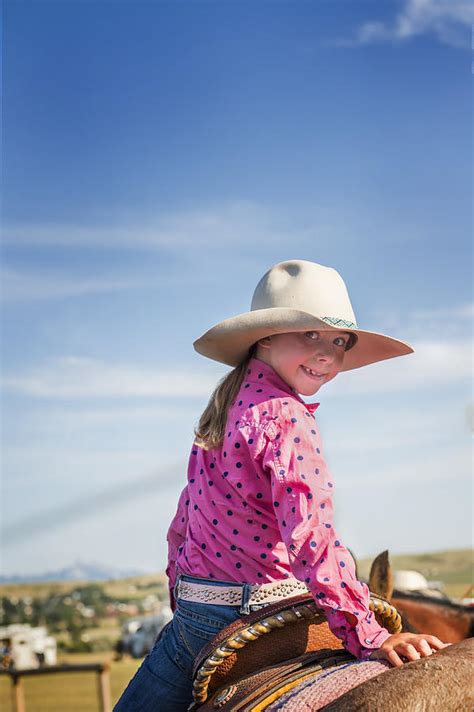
319	690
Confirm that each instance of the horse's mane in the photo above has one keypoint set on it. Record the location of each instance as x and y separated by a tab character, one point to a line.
422	597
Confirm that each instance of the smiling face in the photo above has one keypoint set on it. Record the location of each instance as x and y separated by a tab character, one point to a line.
305	360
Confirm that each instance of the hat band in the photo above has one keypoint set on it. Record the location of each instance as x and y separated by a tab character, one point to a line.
339	322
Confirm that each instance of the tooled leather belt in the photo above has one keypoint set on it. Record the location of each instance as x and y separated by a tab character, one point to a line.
231	595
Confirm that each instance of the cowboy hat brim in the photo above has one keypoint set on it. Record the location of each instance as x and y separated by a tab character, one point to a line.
230	340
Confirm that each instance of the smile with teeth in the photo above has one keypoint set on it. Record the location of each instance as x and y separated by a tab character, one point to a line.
310	372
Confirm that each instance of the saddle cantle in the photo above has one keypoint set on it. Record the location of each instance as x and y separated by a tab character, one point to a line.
299	635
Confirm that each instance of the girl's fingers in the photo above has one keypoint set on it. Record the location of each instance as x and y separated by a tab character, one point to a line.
408	651
435	642
424	648
393	658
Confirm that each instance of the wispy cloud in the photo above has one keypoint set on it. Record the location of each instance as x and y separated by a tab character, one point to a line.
79	377
448	20
25	286
433	364
213	226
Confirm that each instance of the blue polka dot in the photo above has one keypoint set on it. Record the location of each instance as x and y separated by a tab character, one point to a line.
203	546
260	375
250	441
224	474
310	496
341	564
235	532
330	484
326	578
237	445
256	538
233	547
195	452
300	457
276	504
296	440
210	483
215	521
263	556
314	432
289	489
318	450
238	565
228	496
313	544
337	543
259	390
238	465
240	402
316	472
343	585
239	485
294	420
218	554
322	505
328	526
229	512
259	495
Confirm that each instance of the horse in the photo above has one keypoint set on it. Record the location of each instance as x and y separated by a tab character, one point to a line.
422	613
284	657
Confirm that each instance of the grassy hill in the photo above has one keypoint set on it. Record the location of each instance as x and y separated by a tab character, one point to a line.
454	568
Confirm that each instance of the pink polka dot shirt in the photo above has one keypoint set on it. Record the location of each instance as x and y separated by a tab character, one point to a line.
259	509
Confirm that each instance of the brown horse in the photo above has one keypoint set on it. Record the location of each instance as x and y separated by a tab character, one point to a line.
450	622
257	670
258	679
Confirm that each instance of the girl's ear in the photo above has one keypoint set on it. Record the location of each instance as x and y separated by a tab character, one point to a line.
265	342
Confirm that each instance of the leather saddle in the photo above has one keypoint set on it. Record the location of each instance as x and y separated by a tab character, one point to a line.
270	649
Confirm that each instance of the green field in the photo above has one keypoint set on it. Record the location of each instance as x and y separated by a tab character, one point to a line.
69	692
453	568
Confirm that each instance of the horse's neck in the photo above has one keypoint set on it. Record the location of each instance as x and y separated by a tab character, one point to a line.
442	619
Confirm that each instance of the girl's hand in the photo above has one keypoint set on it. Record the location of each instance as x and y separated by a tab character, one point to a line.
409	646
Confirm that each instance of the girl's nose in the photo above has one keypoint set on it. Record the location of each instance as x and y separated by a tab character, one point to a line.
324	352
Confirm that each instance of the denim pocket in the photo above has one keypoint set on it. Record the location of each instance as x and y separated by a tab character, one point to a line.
198	623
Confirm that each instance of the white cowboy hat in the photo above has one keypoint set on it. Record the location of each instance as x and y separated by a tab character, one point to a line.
297	295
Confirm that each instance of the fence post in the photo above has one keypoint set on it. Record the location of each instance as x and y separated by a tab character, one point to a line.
18	693
104	688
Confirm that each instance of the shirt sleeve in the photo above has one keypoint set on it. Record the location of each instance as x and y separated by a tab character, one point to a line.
175	538
302	500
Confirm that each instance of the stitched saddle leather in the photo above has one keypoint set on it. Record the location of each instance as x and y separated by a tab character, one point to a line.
310	633
254	689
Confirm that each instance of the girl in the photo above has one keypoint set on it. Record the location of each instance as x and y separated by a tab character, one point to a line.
255	523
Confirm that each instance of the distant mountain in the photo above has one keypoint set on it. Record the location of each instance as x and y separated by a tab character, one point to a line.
79	571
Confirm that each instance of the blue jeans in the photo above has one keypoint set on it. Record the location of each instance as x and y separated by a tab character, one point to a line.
163	683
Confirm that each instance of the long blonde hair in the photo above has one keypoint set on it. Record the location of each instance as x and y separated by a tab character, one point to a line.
211	428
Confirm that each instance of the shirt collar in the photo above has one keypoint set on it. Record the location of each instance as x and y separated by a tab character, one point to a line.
270	376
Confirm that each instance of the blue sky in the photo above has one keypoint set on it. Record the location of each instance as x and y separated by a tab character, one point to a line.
158	158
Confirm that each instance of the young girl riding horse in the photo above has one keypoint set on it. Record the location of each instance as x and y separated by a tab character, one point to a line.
254	523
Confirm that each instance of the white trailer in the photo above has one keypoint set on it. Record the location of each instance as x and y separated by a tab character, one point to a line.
23	647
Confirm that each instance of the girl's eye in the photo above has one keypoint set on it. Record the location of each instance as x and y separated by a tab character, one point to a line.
340	341
312	335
